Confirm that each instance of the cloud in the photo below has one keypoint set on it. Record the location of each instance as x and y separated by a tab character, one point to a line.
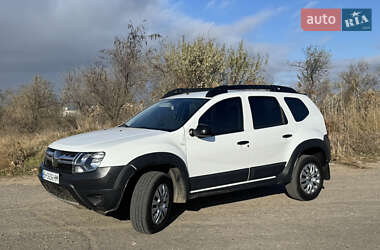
52	37
175	24
218	4
342	65
211	4
310	4
246	24
225	4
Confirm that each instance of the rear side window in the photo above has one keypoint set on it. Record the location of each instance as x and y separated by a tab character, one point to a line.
297	107
224	117
266	112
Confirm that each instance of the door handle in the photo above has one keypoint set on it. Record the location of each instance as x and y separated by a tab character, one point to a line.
242	142
287	136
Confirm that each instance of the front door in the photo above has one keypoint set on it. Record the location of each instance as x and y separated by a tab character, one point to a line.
222	159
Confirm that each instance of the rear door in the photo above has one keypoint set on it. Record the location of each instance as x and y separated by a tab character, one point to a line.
270	137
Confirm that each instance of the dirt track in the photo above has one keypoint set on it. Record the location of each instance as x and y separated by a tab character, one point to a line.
345	215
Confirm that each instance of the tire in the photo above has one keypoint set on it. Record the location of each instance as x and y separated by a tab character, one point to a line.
307	186
146	192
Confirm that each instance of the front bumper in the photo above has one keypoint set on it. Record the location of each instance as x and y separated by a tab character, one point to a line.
100	190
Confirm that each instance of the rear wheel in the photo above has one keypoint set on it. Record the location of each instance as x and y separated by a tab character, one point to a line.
307	181
151	202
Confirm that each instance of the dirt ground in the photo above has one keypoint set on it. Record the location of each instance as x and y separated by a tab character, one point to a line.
345	215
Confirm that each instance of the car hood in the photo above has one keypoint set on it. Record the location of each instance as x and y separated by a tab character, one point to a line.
102	139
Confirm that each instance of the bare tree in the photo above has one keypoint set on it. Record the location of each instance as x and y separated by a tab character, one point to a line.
242	68
109	93
75	92
357	80
112	83
33	106
4	101
313	72
2	97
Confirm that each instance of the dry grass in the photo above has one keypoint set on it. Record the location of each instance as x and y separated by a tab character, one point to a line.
353	126
354	132
22	153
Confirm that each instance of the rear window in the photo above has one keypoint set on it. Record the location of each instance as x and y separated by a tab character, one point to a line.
266	112
297	107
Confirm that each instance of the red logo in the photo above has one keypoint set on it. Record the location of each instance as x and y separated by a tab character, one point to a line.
321	19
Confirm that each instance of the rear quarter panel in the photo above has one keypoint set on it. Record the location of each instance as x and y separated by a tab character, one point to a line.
312	127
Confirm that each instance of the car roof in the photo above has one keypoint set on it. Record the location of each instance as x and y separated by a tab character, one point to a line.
202	94
225	89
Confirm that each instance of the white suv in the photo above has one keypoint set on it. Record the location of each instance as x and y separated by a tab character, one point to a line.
194	142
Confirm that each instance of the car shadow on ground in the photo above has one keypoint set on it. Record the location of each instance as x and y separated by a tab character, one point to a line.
198	204
203	202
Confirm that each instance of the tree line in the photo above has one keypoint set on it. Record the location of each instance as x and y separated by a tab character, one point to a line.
140	68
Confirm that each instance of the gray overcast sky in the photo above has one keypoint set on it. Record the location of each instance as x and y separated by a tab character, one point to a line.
51	37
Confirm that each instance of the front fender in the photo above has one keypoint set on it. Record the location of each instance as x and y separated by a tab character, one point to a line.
165	161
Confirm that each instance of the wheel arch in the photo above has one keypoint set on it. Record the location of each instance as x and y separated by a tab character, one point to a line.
317	147
168	163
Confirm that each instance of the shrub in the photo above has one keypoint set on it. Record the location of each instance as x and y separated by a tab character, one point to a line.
32	107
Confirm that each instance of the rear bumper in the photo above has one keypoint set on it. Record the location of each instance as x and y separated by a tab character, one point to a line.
100	190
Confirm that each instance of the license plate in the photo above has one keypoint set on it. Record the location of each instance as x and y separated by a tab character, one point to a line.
50	176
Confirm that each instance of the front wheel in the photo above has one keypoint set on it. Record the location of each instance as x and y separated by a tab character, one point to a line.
307	181
151	202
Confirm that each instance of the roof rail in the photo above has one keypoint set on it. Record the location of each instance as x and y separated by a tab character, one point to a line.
211	92
224	89
184	91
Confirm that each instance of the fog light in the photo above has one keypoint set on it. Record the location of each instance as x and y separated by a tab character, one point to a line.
78	169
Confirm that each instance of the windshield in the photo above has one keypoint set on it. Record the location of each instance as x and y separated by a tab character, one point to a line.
168	115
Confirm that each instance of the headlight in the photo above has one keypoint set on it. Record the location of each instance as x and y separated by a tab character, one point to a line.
49	152
87	162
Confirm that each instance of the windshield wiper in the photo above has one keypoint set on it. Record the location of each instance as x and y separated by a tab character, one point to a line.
124	125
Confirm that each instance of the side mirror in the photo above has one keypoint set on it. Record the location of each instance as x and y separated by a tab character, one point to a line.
202	131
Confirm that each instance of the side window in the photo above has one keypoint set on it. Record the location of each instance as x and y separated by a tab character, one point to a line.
224	117
297	107
266	112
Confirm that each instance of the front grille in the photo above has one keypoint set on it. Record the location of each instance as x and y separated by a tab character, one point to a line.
58	191
61	161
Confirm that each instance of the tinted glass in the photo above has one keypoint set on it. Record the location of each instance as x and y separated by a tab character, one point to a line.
266	112
224	117
297	107
168	115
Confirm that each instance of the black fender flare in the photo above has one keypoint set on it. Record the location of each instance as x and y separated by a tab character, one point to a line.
323	145
176	167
